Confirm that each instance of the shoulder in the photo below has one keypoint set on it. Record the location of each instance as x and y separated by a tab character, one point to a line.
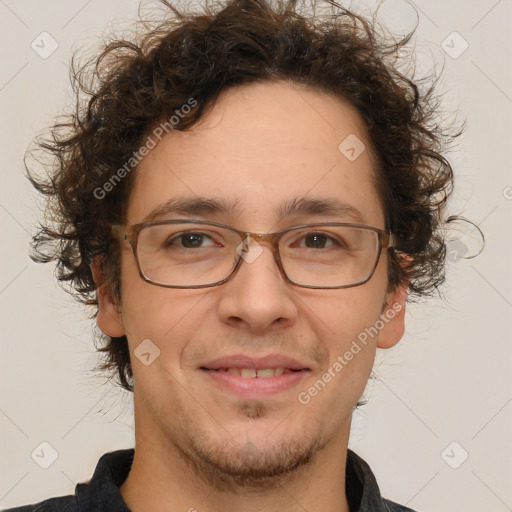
99	494
363	492
60	504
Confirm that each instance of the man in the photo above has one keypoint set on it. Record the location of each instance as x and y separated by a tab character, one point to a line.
249	197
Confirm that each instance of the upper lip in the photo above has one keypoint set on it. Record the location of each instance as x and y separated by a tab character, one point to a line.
256	363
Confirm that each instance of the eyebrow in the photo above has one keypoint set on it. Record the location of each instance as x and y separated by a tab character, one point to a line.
210	206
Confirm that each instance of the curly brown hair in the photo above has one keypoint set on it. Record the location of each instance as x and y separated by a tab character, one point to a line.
122	93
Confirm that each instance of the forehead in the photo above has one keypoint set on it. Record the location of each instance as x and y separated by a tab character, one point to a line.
261	148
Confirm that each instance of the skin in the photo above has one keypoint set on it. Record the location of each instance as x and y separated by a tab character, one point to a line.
259	145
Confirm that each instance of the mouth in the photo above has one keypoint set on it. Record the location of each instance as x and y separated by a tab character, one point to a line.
252	373
255	378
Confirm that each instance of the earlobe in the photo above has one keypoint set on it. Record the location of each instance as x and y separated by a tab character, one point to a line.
109	315
393	318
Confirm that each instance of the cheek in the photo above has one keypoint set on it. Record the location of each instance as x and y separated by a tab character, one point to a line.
347	336
158	314
154	313
170	319
347	325
352	311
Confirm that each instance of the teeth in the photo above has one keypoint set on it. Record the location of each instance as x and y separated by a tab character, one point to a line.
250	373
265	374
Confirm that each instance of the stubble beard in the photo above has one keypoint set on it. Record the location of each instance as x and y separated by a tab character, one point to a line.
231	467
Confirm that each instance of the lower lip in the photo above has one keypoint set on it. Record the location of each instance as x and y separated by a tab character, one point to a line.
255	387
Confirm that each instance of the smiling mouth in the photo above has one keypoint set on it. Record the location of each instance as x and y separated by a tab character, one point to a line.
254	376
252	373
255	383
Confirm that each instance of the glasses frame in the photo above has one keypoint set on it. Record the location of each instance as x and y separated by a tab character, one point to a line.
130	233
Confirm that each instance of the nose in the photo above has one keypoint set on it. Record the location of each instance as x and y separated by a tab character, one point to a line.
257	297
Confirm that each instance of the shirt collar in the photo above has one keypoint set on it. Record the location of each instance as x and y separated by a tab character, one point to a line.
102	492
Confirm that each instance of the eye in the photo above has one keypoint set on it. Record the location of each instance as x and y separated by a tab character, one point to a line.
318	240
189	240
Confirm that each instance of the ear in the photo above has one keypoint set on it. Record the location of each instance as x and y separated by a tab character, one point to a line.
109	313
393	318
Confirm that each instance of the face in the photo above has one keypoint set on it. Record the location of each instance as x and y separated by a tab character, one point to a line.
261	145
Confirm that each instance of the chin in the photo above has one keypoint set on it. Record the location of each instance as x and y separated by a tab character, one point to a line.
252	461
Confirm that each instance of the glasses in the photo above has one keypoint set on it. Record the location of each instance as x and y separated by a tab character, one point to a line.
200	254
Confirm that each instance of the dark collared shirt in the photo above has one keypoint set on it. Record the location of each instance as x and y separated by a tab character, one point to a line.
101	493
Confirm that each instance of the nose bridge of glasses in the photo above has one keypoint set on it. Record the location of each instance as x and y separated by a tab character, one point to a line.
263	237
270	239
257	242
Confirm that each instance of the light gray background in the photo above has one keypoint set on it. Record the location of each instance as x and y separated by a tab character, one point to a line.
448	380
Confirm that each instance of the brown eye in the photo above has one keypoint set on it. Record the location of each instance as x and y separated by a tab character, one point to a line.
189	240
316	240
